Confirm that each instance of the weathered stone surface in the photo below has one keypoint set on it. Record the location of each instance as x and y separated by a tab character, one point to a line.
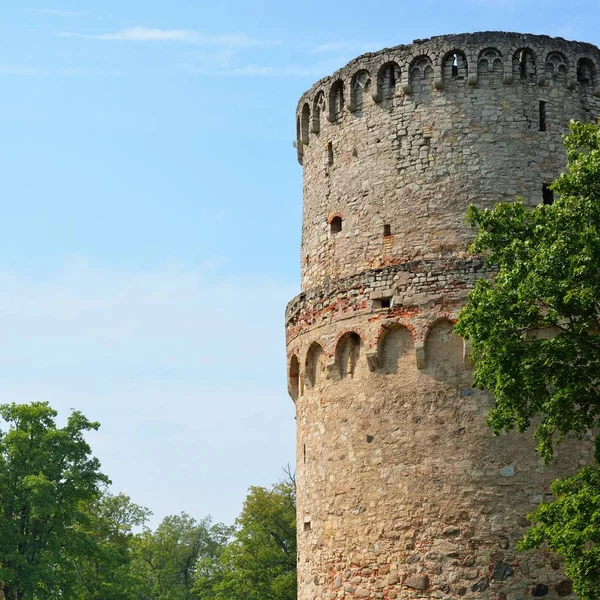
417	583
397	473
481	585
502	571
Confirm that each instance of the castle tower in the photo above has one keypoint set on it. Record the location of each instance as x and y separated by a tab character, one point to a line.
402	490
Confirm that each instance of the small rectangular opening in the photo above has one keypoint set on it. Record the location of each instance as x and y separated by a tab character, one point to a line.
387	230
547	194
329	153
543	122
307	526
382	303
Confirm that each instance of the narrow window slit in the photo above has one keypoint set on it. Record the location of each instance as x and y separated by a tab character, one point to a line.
307	526
387	230
543	120
392	76
547	194
522	65
454	66
329	153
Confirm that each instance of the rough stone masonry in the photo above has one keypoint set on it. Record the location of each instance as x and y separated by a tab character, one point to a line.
402	490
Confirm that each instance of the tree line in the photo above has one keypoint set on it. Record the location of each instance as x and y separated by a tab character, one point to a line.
64	535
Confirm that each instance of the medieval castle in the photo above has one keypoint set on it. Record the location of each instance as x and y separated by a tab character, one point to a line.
403	492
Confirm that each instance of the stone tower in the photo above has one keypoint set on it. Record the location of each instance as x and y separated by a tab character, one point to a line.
402	490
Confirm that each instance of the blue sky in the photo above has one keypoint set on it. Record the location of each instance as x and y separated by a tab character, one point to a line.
151	204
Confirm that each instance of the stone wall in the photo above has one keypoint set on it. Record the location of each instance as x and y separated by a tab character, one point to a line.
422	131
403	492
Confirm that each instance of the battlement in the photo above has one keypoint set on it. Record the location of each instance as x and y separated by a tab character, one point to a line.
397	144
445	63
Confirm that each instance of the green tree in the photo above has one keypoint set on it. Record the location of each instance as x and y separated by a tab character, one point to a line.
534	334
103	566
260	561
47	474
169	562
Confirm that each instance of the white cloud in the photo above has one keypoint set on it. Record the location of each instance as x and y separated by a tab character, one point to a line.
145	34
25	71
253	70
183	367
57	13
345	46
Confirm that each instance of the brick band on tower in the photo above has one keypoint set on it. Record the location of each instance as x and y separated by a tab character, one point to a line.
402	490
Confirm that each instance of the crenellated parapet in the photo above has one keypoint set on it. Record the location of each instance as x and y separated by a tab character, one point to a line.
397	144
446	63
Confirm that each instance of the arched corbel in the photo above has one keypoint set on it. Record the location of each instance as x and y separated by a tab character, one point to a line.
472	79
509	77
332	369
373	360
420	353
438	80
376	92
572	78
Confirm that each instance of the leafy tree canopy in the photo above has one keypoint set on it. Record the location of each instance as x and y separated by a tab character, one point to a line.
260	561
47	474
103	562
534	333
169	562
547	283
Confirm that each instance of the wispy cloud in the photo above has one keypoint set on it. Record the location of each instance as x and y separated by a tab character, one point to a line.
187	36
346	46
213	67
26	71
57	13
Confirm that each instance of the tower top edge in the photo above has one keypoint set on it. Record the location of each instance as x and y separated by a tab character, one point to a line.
469	43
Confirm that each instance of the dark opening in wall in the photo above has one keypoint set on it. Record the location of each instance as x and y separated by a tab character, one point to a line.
329	153
304	452
294	378
522	65
455	67
547	194
382	303
387	230
543	121
335	225
307	526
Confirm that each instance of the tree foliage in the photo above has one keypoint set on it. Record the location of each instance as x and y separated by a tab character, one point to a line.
534	330
260	561
103	566
169	562
47	474
570	526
